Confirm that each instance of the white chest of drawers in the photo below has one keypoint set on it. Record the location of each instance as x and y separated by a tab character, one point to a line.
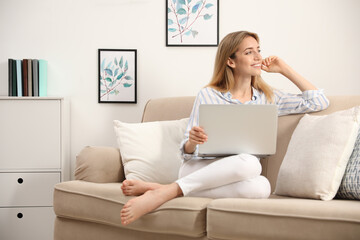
31	163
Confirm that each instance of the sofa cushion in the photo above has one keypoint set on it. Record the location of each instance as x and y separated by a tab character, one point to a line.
317	155
101	203
151	151
99	164
70	229
282	217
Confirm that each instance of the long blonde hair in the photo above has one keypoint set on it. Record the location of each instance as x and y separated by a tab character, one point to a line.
223	77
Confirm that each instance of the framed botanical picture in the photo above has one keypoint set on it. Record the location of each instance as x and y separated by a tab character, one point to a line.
192	23
117	76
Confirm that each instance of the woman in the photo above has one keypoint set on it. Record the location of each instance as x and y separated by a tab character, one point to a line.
236	80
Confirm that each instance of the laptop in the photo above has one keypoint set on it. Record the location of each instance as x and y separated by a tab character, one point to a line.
234	129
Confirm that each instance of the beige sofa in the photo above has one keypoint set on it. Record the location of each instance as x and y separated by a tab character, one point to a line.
89	207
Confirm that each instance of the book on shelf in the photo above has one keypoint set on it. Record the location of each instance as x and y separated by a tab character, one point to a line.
19	77
42	78
35	72
14	78
30	91
27	77
10	76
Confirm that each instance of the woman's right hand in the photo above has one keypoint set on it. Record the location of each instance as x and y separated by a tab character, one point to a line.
197	136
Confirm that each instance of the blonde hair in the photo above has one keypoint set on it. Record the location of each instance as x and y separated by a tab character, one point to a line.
223	77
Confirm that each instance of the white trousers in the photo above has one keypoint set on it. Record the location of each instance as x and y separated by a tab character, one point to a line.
236	176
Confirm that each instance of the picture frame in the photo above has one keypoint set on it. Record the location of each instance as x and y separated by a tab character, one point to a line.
117	69
192	23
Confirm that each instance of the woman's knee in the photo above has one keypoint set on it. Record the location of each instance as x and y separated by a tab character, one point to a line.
263	189
246	166
258	187
254	163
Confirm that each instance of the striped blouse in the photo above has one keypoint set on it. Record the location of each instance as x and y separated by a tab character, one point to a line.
287	103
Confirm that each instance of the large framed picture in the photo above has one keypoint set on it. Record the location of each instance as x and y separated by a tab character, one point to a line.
117	76
192	23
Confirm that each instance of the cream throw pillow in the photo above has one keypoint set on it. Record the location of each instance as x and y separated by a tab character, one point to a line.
317	155
151	151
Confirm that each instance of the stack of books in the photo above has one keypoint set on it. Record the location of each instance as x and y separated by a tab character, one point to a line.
28	77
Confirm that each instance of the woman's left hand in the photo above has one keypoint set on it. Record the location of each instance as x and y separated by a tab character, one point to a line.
273	64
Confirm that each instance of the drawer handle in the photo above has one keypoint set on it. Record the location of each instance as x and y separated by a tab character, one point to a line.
20	215
20	180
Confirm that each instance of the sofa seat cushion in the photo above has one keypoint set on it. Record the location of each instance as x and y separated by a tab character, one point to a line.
283	218
102	202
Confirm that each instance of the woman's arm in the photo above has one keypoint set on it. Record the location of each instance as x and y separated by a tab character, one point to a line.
311	99
276	65
196	136
189	145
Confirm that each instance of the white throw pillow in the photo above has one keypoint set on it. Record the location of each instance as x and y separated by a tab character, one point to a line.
150	151
317	155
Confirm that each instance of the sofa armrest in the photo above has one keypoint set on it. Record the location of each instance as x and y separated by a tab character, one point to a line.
99	165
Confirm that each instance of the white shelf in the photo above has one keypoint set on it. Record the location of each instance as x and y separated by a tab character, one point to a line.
32	161
24	170
30	98
27	223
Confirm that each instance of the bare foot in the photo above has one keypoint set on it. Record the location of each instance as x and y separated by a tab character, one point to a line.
150	200
134	187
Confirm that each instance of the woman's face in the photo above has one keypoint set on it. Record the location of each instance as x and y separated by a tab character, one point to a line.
247	61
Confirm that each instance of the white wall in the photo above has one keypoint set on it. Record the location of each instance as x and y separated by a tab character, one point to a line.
319	38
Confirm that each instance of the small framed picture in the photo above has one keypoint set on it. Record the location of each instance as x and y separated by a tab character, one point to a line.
117	76
192	23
